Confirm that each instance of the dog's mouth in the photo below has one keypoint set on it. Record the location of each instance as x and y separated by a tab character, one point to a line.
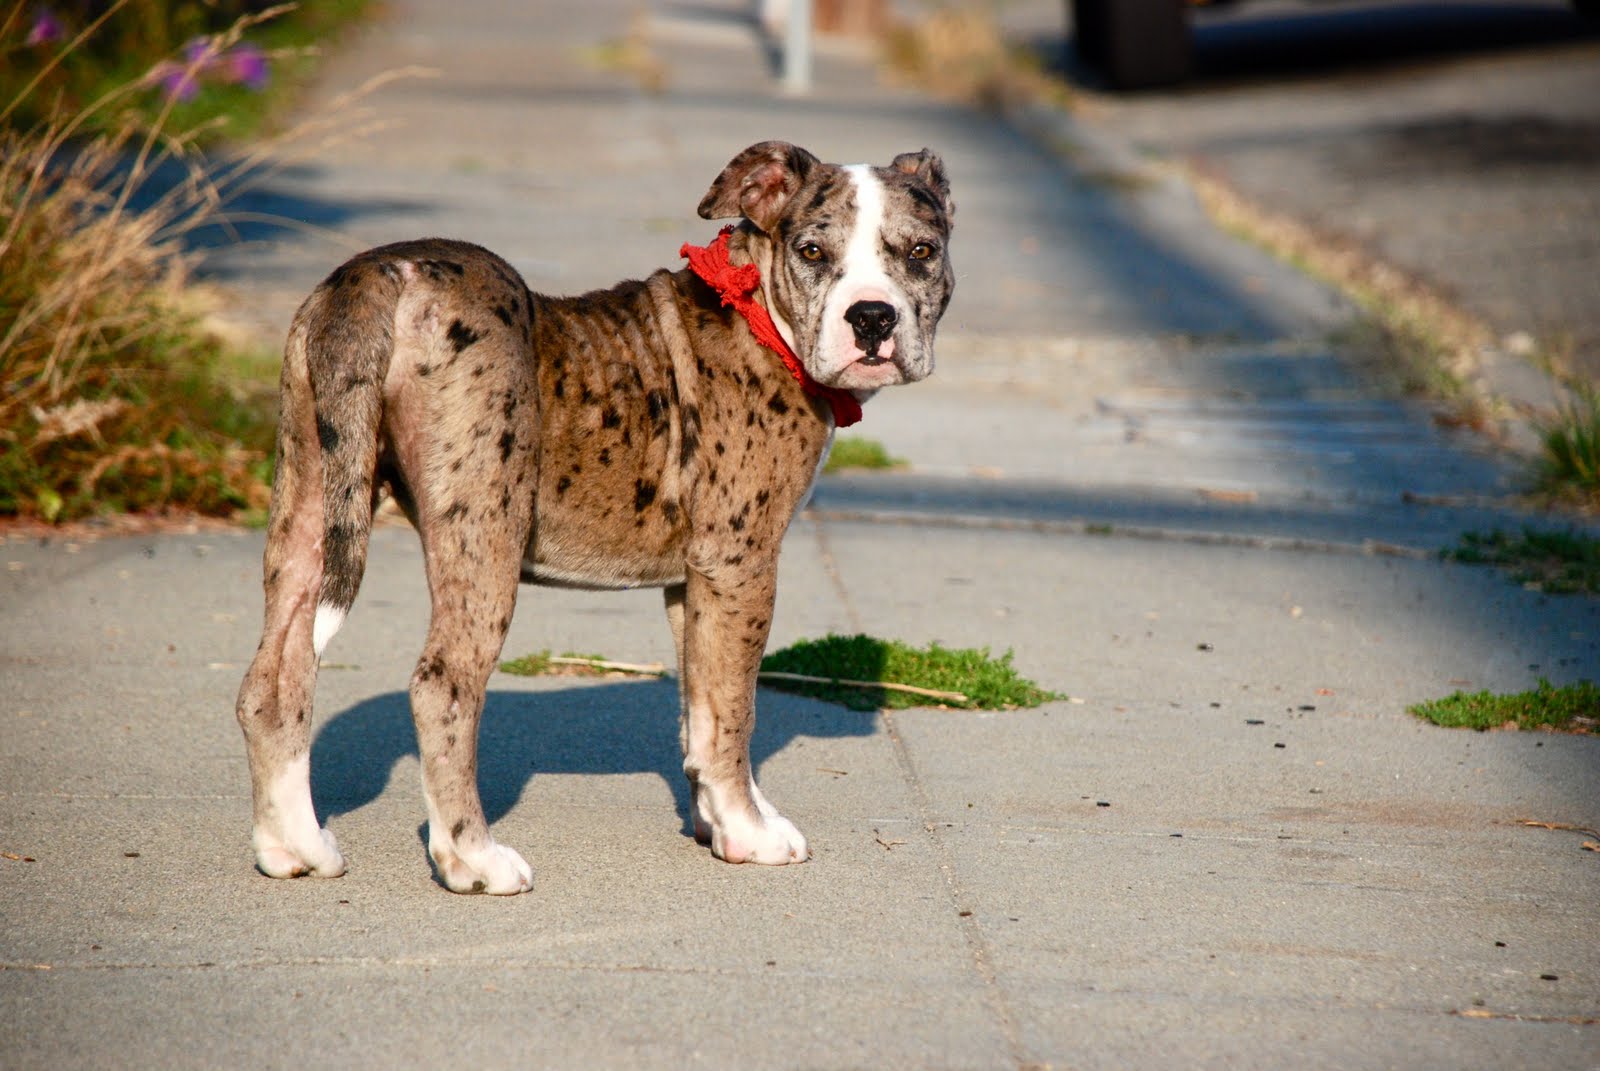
875	352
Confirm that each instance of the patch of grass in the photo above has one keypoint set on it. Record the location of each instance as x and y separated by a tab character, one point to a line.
989	683
1558	563
1570	466
1573	707
858	452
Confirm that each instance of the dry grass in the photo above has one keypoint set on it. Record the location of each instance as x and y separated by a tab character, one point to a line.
1429	344
959	53
114	395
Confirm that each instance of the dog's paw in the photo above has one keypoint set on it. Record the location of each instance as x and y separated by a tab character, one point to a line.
317	855
770	839
494	869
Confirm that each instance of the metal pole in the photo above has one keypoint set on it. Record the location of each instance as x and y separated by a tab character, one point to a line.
797	49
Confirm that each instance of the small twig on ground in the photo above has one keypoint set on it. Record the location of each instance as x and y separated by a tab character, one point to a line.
656	669
644	669
1563	827
805	678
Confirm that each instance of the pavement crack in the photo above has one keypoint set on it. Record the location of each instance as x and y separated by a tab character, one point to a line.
830	566
960	902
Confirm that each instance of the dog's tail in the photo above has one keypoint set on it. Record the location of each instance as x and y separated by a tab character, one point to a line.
348	339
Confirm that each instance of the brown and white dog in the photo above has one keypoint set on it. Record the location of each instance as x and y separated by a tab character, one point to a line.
634	436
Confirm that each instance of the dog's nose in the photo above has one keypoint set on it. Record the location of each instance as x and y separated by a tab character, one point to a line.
872	321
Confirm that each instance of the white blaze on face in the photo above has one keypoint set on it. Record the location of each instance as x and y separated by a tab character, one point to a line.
864	277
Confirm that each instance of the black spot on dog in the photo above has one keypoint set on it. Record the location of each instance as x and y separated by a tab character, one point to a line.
777	404
504	314
927	200
507	441
346	274
456	830
455	512
560	389
510	407
327	434
644	493
610	418
762	496
669	510
562	485
461	336
659	405
605	456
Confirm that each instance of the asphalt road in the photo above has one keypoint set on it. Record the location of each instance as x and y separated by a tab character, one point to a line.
1456	139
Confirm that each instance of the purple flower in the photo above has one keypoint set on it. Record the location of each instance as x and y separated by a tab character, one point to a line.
177	81
247	65
46	28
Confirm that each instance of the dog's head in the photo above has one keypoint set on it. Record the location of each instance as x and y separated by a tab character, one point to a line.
854	259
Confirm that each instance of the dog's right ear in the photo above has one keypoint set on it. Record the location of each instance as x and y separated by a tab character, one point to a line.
758	182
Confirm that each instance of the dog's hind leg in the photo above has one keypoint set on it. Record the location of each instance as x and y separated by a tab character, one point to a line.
473	571
322	500
274	707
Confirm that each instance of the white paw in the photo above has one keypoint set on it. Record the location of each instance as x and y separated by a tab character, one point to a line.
317	855
770	839
494	869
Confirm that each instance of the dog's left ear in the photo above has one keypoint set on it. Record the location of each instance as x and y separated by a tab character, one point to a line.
927	166
758	182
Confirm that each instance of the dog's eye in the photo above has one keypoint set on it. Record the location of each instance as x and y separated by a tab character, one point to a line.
811	251
921	251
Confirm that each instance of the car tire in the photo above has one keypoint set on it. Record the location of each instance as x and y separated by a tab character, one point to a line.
1136	43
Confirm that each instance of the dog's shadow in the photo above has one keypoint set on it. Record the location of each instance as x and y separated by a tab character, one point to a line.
594	729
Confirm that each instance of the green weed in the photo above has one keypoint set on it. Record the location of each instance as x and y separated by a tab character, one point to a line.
1558	563
988	683
1573	707
856	452
1570	466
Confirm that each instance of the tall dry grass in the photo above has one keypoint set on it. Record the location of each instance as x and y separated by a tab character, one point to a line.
114	394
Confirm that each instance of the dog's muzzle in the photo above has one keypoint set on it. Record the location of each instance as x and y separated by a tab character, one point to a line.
873	323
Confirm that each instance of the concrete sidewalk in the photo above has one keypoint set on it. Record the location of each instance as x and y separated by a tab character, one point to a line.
1232	849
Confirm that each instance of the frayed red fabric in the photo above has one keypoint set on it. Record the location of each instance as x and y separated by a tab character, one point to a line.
735	285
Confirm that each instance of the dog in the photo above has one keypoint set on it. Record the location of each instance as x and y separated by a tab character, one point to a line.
660	433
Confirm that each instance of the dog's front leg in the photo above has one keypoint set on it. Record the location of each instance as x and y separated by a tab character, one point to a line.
723	621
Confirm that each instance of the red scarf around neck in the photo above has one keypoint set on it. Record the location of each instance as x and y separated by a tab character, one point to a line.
735	285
